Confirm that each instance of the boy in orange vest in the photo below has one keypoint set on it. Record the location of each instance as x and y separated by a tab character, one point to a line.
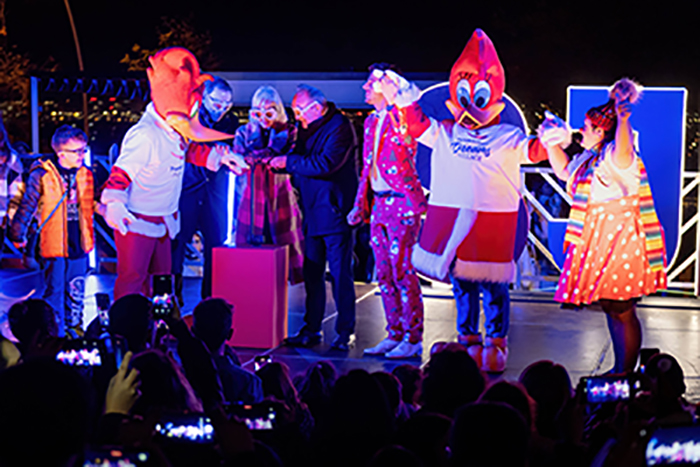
62	187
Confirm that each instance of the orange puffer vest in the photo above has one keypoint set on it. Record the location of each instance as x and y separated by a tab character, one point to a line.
54	235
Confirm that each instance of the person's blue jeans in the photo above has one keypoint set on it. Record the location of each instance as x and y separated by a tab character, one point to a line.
496	301
65	290
337	250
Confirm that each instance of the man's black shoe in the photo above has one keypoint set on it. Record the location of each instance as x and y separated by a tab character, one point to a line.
303	339
343	342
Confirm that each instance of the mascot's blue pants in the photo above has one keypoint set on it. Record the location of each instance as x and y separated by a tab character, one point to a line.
496	303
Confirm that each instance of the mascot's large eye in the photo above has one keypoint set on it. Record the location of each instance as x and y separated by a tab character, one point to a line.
482	94
194	110
464	93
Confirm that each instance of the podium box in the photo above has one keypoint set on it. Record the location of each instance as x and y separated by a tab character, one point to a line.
254	281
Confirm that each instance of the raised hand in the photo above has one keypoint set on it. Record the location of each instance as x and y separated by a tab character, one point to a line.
123	390
623	109
554	131
235	162
279	162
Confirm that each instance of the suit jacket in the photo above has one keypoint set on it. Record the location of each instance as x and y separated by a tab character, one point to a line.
395	162
324	170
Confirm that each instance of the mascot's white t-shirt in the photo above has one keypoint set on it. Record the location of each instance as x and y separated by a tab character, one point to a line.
476	169
153	155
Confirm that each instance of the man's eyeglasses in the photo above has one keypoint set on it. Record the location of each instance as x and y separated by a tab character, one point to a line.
299	111
80	151
219	102
259	114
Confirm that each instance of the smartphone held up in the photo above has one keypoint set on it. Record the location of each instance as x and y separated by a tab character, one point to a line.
162	296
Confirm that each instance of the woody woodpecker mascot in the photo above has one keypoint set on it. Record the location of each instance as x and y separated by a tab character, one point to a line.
469	232
143	189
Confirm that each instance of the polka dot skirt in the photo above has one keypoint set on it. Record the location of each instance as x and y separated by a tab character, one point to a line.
611	261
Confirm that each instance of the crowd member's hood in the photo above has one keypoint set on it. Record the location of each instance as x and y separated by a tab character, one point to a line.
477	82
177	85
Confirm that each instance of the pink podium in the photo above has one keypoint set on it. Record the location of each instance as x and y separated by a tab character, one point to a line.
254	280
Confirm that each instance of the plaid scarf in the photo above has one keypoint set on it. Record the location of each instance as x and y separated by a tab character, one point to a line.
581	187
275	202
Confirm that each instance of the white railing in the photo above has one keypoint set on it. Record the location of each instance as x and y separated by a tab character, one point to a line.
688	244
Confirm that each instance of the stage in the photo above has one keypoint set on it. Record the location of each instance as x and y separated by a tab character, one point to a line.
540	329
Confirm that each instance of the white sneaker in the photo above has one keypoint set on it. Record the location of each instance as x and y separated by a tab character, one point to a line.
406	350
383	347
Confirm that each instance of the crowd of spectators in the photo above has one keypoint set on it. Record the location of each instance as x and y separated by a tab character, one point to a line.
167	394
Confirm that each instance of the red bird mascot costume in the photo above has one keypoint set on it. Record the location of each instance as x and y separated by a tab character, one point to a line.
469	230
143	189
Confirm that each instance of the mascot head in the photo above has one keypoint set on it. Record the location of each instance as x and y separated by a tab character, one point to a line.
477	82
176	88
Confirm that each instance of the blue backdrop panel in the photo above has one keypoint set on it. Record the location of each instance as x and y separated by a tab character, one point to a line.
659	119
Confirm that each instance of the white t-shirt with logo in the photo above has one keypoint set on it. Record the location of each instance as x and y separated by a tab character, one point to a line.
476	169
153	155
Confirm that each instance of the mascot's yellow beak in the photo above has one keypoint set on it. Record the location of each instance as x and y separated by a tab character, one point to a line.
473	117
176	89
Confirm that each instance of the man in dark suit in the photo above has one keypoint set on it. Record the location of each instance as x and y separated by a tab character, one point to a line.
324	170
205	193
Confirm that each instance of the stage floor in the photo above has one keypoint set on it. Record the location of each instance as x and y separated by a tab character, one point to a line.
540	329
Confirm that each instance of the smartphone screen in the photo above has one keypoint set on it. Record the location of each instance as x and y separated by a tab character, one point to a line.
81	352
117	347
600	389
162	284
162	305
103	301
187	428
256	416
114	457
162	295
674	446
260	361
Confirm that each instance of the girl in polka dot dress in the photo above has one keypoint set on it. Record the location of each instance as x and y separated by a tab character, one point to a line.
614	243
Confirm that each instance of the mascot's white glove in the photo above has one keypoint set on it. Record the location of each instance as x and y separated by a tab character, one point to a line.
118	217
554	131
397	90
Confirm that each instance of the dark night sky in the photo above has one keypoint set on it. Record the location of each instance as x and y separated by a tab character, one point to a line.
543	44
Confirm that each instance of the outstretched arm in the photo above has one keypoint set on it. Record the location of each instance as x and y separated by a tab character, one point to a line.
554	134
623	152
336	149
405	96
213	156
559	161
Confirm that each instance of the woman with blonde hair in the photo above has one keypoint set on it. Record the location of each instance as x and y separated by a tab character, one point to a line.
273	204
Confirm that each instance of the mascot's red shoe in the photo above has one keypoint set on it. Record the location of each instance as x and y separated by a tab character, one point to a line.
495	355
475	347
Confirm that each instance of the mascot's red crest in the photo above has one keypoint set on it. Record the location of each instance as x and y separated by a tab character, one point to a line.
477	82
177	85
